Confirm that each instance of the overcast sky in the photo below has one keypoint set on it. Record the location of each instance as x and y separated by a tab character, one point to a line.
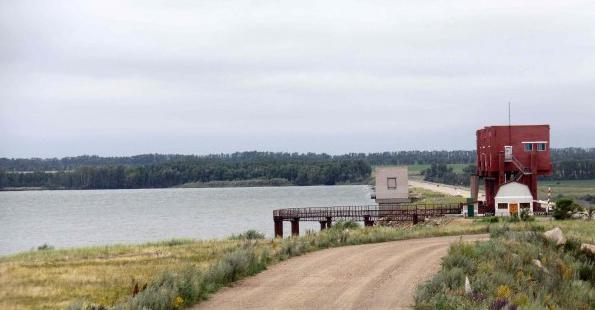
197	77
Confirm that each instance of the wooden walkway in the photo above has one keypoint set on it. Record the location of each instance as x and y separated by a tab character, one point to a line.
368	214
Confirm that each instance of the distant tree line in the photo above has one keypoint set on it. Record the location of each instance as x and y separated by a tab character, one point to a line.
384	158
441	173
166	170
185	171
573	170
565	170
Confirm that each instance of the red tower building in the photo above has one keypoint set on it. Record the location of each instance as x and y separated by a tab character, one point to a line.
519	153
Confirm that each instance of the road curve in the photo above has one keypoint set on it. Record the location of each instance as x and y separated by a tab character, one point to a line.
371	276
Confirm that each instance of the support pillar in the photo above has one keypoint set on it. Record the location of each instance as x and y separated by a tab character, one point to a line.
329	222
295	226
278	228
322	225
533	177
368	222
474	181
415	219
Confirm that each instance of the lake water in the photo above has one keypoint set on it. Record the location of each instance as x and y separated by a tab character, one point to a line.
100	217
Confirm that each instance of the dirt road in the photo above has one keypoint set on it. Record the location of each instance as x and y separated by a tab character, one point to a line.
372	276
445	189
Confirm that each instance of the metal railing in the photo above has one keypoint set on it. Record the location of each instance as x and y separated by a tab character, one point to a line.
367	212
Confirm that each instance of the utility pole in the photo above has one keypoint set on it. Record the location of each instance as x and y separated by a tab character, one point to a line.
509	126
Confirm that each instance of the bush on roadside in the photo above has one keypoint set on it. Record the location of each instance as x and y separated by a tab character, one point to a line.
176	290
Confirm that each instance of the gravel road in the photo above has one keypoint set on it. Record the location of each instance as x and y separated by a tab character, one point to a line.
445	189
371	276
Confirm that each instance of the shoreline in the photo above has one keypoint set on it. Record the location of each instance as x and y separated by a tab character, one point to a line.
214	184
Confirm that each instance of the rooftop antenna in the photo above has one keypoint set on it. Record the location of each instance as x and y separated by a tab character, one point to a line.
509	126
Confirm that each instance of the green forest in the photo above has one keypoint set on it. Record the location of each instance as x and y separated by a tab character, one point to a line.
163	170
185	171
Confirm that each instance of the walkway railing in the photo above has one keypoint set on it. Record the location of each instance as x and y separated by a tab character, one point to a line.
367	213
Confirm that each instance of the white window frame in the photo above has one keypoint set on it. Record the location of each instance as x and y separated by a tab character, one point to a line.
539	145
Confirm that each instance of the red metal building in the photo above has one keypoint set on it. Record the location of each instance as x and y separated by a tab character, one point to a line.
518	153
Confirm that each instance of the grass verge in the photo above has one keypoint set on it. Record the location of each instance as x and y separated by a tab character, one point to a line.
180	272
515	269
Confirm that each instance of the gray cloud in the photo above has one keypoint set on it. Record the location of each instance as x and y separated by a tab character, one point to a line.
114	77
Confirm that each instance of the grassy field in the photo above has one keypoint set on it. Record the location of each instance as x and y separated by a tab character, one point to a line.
107	275
51	279
415	170
569	188
516	269
429	197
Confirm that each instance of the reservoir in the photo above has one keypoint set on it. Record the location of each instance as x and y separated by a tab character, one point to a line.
75	218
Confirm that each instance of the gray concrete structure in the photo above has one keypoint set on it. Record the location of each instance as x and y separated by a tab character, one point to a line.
392	185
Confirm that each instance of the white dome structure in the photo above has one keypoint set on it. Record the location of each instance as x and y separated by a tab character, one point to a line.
512	197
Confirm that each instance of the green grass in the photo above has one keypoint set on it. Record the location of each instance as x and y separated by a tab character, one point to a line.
415	170
503	275
568	188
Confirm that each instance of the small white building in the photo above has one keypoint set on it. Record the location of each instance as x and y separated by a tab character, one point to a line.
512	197
392	185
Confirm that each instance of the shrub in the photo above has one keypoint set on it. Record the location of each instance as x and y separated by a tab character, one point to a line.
174	290
525	216
565	208
248	235
342	225
45	247
502	270
498	231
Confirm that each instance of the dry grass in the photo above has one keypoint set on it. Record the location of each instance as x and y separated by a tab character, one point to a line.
102	275
106	275
567	188
429	196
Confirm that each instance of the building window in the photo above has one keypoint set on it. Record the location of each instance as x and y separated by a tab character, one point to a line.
541	147
525	205
502	206
528	147
391	183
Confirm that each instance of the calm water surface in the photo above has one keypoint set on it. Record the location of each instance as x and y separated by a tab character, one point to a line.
100	217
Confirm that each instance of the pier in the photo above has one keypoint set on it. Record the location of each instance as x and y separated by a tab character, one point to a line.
368	214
